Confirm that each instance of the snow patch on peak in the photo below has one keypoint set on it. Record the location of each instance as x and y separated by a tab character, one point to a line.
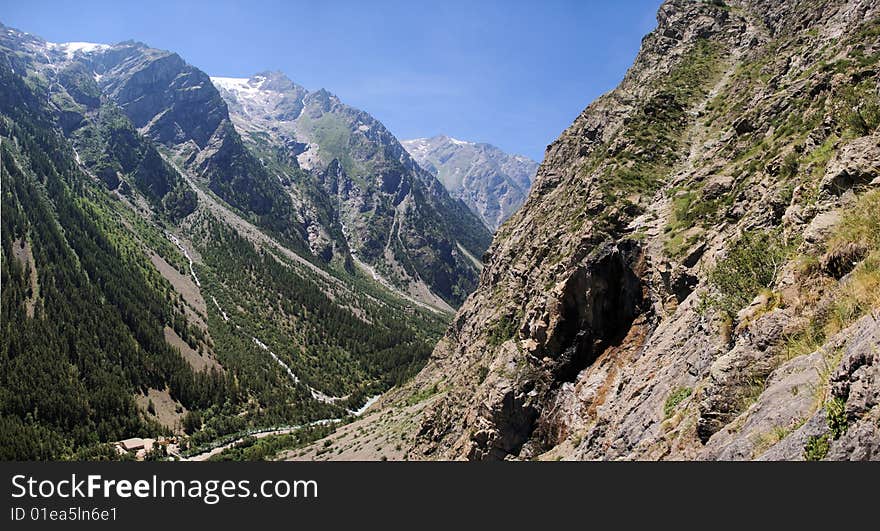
458	142
230	83
240	85
71	48
416	146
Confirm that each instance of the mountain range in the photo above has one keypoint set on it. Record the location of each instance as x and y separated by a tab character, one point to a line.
367	200
246	269
492	183
173	263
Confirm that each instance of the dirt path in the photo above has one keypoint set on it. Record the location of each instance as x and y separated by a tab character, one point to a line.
653	222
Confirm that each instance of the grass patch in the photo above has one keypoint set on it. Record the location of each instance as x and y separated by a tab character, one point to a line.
860	224
689	208
860	112
502	330
805	342
422	395
754	387
657	128
767	440
674	399
859	292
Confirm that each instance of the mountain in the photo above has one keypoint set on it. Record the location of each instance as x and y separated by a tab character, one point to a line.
161	274
492	183
366	193
695	272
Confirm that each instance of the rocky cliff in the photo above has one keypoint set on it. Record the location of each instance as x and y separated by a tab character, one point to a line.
492	183
695	272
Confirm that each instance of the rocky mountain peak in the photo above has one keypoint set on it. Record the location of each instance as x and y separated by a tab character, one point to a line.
277	81
491	182
363	171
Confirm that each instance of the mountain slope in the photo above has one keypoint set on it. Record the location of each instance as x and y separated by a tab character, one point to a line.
694	274
65	277
175	105
492	183
393	216
156	279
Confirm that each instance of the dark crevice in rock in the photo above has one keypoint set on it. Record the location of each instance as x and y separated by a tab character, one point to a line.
599	303
596	309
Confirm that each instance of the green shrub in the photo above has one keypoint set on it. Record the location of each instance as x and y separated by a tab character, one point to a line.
482	373
818	445
789	166
503	329
816	448
861	110
751	265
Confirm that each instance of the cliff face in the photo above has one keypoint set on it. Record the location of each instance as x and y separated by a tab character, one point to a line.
492	183
694	273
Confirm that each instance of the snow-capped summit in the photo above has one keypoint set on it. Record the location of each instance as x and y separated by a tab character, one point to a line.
71	48
267	101
239	84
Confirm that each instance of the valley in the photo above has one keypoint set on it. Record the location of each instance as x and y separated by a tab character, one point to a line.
241	268
272	329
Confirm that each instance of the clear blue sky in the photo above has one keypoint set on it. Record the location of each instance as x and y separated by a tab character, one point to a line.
511	73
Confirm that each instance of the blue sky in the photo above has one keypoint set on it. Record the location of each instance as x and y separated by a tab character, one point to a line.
511	73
